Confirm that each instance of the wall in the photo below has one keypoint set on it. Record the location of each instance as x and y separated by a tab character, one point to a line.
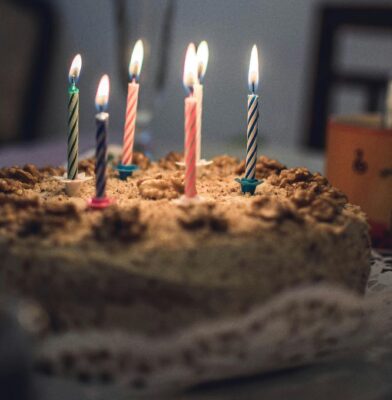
283	29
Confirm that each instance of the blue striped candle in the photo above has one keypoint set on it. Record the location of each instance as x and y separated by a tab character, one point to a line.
102	119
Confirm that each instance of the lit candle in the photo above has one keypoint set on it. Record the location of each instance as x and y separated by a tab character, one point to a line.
135	66
249	182
189	80
73	118
253	116
202	61
102	118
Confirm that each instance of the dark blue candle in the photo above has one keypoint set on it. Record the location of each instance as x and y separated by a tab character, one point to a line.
102	118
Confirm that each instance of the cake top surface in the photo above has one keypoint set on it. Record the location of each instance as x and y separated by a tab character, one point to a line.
35	209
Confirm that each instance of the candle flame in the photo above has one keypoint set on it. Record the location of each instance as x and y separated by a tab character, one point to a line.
74	71
102	97
135	65
202	59
253	77
190	67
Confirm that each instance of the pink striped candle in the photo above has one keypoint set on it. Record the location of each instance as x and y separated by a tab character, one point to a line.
130	123
189	80
190	146
135	66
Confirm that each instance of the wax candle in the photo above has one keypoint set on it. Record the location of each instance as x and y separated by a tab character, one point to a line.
202	61
102	118
253	117
73	118
135	66
249	182
189	79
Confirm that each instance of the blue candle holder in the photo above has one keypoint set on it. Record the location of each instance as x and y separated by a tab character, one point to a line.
126	170
248	185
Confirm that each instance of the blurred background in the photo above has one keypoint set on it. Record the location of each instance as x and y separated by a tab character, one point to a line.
318	57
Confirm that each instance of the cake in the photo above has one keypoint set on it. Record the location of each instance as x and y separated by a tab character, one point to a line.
151	265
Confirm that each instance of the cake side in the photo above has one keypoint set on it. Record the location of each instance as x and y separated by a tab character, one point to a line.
152	266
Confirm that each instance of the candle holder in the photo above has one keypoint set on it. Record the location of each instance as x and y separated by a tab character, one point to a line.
126	171
248	185
100	203
186	201
72	186
199	164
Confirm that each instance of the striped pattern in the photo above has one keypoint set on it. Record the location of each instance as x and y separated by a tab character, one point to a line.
198	91
251	147
73	135
130	122
100	155
190	147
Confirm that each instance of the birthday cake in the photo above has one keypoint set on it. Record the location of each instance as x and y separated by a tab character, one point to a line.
151	265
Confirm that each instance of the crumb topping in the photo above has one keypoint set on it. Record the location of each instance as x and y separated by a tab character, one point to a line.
121	224
270	210
160	187
202	215
170	160
32	203
265	167
48	219
142	161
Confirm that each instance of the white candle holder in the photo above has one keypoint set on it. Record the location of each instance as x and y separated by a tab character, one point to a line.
199	164
72	186
186	201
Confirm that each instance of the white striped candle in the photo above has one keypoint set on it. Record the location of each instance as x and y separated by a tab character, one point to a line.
253	116
198	93
202	56
252	131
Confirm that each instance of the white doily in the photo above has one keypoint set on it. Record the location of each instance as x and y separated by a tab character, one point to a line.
297	327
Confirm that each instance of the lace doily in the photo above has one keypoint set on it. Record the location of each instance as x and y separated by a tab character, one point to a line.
297	327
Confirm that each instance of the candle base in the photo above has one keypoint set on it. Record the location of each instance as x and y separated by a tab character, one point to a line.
248	185
200	163
125	171
99	203
186	201
72	186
